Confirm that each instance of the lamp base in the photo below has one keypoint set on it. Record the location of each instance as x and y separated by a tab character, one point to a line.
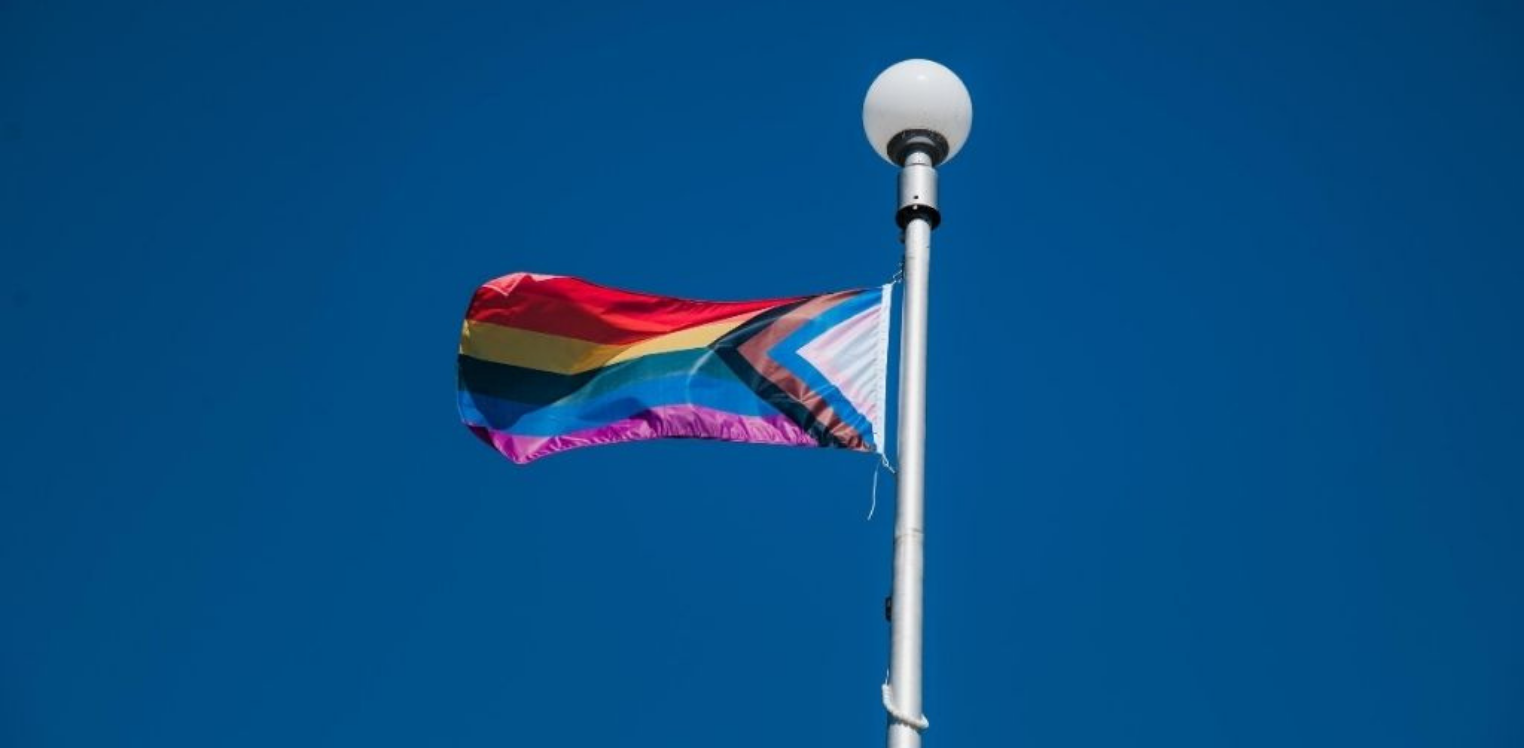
907	142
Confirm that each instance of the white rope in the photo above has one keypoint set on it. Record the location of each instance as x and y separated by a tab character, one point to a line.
874	505
884	462
915	723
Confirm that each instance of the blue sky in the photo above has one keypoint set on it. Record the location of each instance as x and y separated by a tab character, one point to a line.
1224	415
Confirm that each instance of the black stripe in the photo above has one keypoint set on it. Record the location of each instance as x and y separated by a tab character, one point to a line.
727	347
535	387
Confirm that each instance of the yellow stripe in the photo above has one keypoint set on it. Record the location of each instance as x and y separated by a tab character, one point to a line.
563	355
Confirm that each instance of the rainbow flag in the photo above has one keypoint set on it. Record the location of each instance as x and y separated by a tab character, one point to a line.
550	363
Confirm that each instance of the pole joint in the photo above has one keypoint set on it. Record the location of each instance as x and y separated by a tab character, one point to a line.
918	190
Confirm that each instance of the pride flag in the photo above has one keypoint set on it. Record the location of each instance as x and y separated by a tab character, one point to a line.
550	363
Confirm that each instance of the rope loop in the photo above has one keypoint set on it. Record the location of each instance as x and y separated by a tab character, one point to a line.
915	723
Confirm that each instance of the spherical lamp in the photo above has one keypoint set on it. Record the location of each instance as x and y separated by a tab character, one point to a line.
917	105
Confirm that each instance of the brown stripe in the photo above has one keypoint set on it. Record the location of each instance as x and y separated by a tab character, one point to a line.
755	351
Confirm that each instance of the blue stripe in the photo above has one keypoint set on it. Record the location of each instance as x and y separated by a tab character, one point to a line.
725	394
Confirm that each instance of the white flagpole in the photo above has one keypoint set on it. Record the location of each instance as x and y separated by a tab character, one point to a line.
903	697
917	114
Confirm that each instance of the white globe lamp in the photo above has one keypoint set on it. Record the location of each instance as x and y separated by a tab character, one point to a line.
917	104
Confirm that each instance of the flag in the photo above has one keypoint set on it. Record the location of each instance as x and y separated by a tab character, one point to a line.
550	363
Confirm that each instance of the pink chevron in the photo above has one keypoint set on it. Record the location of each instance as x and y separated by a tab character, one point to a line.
847	356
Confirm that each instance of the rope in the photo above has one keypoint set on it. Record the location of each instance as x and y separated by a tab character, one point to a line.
915	723
873	505
883	462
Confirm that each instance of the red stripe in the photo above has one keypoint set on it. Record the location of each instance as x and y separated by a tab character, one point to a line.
577	309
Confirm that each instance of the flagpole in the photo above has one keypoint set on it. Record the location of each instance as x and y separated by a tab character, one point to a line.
903	698
917	115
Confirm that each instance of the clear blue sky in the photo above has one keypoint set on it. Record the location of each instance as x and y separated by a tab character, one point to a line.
1225	415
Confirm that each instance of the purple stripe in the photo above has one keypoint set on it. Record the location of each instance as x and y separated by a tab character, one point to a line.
665	421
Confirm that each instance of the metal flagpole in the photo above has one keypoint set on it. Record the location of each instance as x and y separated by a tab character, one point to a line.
917	115
903	697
